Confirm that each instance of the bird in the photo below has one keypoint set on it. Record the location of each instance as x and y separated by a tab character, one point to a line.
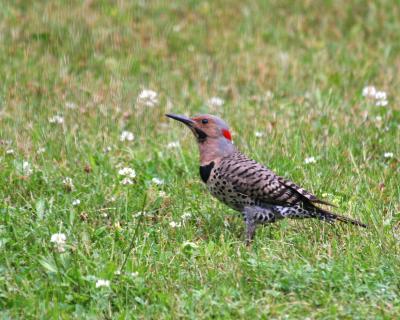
260	195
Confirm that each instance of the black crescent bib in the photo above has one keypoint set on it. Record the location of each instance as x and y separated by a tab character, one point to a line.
205	171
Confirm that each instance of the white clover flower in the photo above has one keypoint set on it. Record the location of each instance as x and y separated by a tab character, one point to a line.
102	283
177	28
188	244
216	102
174	224
139	214
107	149
380	95
70	105
126	136
147	98
310	160
134	274
378	118
59	239
157	181
26	168
10	151
76	202
56	119
186	216
381	103
68	183
369	92
126	181
41	150
173	144
259	134
127	172
388	154
162	194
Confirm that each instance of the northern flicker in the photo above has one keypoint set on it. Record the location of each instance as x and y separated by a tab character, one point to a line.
247	186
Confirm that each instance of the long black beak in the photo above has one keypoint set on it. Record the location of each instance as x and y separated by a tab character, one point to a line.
189	122
200	134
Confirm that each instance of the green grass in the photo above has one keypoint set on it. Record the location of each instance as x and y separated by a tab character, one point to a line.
315	57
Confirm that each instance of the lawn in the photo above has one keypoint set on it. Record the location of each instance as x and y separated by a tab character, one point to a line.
103	214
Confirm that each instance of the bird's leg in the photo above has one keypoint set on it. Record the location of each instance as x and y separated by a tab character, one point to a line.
249	219
250	231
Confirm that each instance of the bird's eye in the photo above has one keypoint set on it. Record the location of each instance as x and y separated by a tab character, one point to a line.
204	121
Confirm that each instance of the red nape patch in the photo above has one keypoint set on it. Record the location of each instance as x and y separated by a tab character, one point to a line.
227	134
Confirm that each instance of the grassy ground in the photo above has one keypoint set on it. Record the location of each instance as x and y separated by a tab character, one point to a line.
292	71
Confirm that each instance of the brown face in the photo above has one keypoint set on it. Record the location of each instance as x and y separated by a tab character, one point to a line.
203	127
207	125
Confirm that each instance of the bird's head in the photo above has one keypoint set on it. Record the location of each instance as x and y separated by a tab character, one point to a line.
211	132
205	127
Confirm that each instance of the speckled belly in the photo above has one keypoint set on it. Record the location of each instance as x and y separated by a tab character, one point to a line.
226	193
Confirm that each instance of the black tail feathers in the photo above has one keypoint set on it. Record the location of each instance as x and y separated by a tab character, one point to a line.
330	217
